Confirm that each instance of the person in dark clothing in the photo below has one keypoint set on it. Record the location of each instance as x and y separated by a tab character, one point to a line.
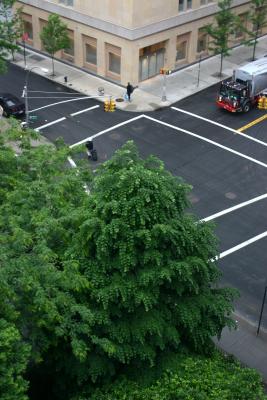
129	90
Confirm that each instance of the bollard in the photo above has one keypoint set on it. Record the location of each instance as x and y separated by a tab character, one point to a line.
65	79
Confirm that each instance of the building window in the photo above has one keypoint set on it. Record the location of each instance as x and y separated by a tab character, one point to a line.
202	42
239	33
66	2
70	49
114	63
181	50
68	53
90	54
204	2
184	5
28	29
27	25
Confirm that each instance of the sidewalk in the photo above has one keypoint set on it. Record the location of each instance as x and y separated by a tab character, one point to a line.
246	346
243	343
147	97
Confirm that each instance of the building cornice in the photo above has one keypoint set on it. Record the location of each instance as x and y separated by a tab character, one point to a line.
123	32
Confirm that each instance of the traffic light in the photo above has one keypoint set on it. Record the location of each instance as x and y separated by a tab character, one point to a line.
112	105
106	105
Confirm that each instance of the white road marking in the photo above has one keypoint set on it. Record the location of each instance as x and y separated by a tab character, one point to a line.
108	130
82	111
64	101
74	165
222	126
241	245
231	209
56	121
208	141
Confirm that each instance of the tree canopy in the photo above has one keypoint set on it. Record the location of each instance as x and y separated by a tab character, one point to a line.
102	284
10	30
221	30
54	36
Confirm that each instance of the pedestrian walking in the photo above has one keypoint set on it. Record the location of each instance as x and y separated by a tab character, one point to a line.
129	90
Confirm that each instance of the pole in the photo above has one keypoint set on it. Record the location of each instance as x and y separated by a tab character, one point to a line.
262	307
164	97
24	53
198	75
26	105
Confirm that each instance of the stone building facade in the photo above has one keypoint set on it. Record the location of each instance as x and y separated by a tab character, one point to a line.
129	40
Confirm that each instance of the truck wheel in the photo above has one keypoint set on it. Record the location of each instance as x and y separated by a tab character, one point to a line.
246	107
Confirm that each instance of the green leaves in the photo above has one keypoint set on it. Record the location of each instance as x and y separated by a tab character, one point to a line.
221	30
102	283
215	378
54	36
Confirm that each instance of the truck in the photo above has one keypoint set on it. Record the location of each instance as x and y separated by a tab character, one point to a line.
242	91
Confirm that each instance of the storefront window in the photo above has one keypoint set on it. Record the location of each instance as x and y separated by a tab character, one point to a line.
28	29
90	54
114	63
202	42
70	49
181	50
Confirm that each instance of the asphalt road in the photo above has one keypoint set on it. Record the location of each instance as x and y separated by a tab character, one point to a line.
224	168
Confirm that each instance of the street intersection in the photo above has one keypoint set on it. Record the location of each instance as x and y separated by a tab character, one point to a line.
226	168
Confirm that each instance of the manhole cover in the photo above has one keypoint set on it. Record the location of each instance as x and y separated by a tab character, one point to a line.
230	195
119	100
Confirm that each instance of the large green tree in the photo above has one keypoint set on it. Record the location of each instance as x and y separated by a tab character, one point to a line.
10	30
220	31
107	282
54	37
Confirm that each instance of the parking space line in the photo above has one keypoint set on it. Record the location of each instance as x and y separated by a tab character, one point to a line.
82	111
235	131
241	245
208	141
56	121
231	209
108	130
252	123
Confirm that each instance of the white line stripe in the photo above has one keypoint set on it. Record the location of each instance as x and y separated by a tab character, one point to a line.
222	126
107	130
208	141
74	165
64	101
82	111
50	123
231	209
241	245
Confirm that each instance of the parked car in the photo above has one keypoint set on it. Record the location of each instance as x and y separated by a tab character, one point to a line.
11	105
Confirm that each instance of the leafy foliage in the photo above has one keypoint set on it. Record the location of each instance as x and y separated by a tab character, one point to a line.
221	30
54	36
105	283
198	378
153	284
257	16
10	30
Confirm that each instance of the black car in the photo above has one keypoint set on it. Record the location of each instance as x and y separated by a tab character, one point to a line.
11	105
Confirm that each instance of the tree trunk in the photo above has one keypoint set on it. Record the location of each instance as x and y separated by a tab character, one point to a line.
220	74
254	46
53	66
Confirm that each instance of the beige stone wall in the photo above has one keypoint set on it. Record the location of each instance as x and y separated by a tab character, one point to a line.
127	50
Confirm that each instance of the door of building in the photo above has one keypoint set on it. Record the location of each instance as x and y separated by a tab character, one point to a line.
150	64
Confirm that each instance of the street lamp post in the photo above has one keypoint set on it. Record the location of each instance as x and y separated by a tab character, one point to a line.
25	93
